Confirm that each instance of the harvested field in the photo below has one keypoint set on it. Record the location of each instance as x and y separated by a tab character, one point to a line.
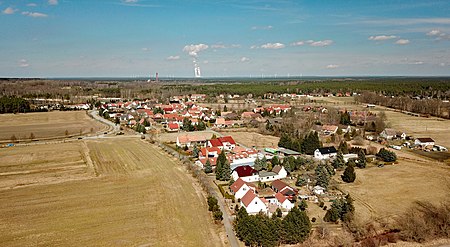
381	193
251	139
46	125
42	164
436	128
141	196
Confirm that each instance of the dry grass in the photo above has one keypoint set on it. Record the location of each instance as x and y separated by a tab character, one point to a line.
140	197
381	193
250	139
46	125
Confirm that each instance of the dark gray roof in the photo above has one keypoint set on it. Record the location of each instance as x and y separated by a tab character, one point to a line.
328	150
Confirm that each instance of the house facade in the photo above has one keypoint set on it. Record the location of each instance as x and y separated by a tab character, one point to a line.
252	203
325	153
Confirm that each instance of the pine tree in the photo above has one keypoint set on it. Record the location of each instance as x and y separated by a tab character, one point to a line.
275	161
226	171
300	182
322	176
343	147
296	226
257	164
349	175
338	161
208	167
195	151
361	159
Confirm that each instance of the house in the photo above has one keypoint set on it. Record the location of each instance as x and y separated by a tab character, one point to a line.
284	189
252	203
209	152
191	140
240	188
318	190
246	173
201	162
173	127
267	176
224	143
283	201
424	142
325	153
388	134
280	171
329	129
348	157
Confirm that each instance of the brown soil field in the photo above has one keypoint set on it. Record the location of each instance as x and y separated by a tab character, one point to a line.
46	125
250	139
140	197
381	193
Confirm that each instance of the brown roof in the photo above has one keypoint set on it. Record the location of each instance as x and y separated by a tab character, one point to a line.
248	198
278	184
425	139
277	169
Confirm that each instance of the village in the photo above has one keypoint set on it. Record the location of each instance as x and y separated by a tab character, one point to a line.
194	130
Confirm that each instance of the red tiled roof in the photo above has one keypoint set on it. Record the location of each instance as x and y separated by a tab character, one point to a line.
237	185
277	169
245	171
210	150
173	126
227	139
280	197
248	198
215	143
213	161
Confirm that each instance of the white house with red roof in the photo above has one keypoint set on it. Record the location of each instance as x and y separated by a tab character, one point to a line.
284	201
252	203
246	173
173	127
224	143
201	162
240	188
284	189
191	140
209	152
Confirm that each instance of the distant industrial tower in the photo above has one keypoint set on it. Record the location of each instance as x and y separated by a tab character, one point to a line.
197	71
157	78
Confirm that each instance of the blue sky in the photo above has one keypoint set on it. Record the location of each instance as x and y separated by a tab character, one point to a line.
72	38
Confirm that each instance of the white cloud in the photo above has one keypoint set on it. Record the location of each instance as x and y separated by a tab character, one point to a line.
193	50
298	43
172	58
23	63
434	32
245	59
130	1
418	62
262	27
52	2
31	5
438	34
254	47
273	46
146	49
402	42
9	11
235	46
218	46
382	37
332	66
320	42
34	14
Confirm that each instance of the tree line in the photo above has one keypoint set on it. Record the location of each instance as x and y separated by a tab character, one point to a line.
13	105
261	230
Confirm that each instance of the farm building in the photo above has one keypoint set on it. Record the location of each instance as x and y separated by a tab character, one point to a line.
424	142
252	203
325	153
240	188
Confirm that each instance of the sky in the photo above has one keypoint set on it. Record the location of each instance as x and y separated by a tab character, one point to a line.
225	38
